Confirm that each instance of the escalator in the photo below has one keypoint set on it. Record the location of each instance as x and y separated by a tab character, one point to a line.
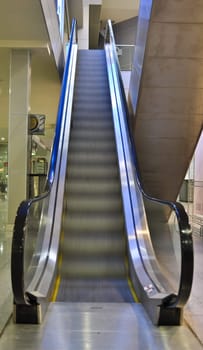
87	237
93	246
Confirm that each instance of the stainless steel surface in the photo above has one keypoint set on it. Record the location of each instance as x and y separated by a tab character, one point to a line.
47	279
14	335
98	326
148	279
35	228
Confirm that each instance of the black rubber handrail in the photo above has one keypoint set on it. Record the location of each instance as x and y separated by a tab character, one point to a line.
186	242
18	240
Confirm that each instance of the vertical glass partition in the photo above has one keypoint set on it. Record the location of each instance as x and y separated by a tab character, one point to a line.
60	9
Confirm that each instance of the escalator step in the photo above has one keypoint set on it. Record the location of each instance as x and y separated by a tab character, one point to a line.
93	223
93	244
84	187
94	204
92	268
90	135
89	171
96	157
93	146
86	245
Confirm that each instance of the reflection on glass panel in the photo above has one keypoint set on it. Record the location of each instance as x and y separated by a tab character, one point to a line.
60	12
39	157
165	236
34	242
3	170
125	56
191	192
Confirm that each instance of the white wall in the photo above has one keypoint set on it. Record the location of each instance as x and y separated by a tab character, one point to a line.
45	86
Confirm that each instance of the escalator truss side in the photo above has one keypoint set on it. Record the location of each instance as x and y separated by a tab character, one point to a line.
163	305
38	220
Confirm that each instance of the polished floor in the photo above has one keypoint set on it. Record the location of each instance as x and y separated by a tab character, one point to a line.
5	249
98	326
112	326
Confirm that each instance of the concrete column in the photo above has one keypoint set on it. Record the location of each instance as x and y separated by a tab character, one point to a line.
198	188
18	129
83	33
166	92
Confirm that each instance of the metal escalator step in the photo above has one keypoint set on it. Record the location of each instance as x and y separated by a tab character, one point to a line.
85	172
93	223
94	84
93	244
95	100
88	134
86	87
94	112
94	204
86	245
93	73
84	113
91	186
93	157
91	60
92	267
95	290
92	123
91	146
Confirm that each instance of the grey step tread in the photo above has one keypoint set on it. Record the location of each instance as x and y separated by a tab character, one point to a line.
91	160
95	291
95	107
91	146
92	134
91	70
91	112
93	245
83	186
92	90
93	223
91	83
91	56
94	204
89	268
86	86
99	99
90	172
105	236
86	246
85	80
87	89
91	63
88	107
95	121
92	157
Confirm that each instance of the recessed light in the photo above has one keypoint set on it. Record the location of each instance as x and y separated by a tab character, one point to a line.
2	138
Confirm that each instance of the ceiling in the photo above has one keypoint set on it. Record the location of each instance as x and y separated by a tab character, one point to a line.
119	10
22	25
22	21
